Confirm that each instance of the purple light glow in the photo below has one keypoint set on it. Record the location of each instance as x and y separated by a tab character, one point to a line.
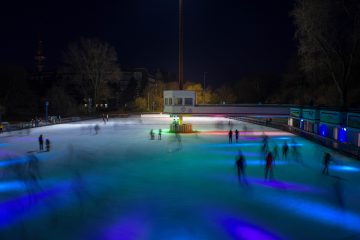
250	233
235	153
270	184
6	154
282	185
14	210
251	138
128	228
25	139
240	229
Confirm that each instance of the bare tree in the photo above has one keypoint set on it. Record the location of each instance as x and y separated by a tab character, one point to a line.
93	64
328	32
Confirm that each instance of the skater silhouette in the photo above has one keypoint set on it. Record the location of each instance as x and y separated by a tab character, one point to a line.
327	159
230	136
269	166
96	128
237	135
47	143
240	164
276	154
285	149
159	137
41	142
296	152
151	134
265	146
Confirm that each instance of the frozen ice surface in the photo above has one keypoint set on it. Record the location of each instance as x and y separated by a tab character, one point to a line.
119	184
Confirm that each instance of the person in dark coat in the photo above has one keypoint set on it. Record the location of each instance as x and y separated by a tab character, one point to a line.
285	149
269	165
237	135
159	136
240	164
41	142
327	159
230	136
47	144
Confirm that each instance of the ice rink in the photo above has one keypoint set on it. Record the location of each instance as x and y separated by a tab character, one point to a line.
119	184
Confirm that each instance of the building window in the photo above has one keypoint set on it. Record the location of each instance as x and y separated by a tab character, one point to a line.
178	101
188	101
170	101
166	101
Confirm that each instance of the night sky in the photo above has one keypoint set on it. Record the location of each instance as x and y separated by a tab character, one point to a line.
228	39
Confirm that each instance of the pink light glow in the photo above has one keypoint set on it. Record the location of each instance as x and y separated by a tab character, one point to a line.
253	133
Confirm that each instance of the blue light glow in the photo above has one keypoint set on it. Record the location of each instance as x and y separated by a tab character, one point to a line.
345	168
321	212
11	186
323	130
13	161
281	138
241	229
342	135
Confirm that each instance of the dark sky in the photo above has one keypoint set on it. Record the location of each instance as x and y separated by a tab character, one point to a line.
226	38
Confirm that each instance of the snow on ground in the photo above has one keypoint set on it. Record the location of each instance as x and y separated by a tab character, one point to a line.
119	184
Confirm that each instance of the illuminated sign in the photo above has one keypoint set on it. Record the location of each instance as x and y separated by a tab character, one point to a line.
310	114
295	112
353	120
330	117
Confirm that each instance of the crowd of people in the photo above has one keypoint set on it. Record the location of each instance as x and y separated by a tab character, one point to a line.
270	157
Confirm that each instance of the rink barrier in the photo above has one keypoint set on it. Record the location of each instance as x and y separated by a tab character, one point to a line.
30	125
345	148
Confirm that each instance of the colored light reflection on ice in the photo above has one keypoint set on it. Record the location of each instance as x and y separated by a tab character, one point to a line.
130	227
238	228
15	210
13	161
262	162
11	186
274	184
236	153
344	168
282	185
322	212
249	133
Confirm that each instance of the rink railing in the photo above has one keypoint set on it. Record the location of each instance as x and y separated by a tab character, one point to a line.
346	148
32	124
29	125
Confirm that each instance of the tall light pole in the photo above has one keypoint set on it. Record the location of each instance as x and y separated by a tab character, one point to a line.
181	45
